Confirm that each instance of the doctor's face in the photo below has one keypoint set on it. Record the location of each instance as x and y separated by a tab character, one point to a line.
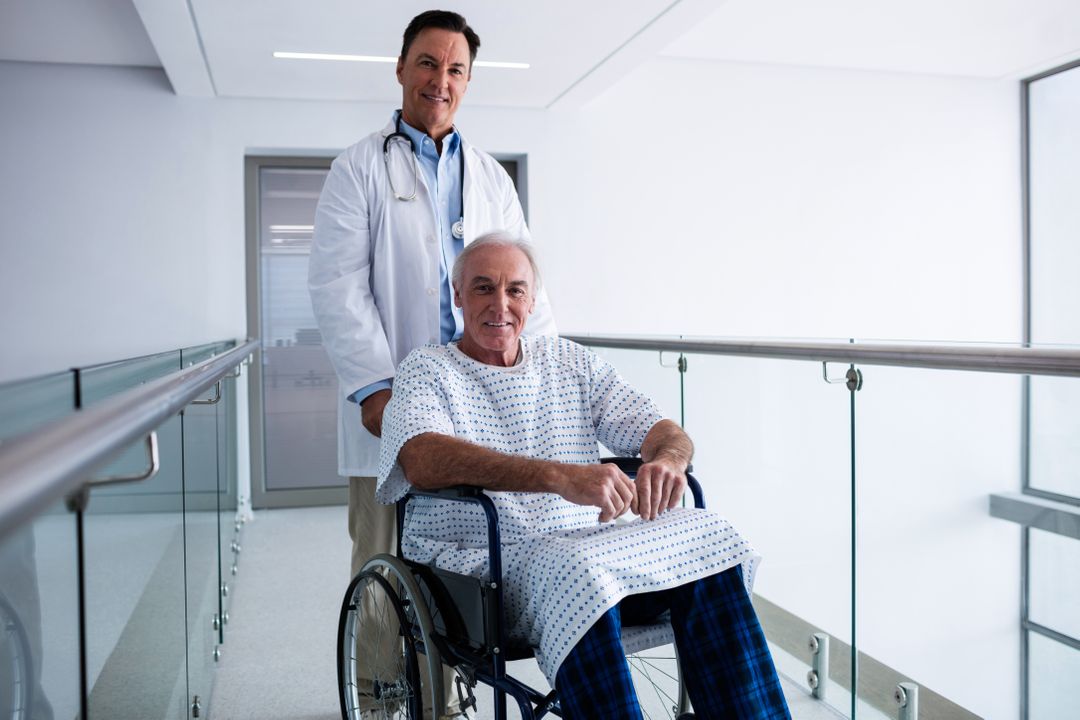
433	80
496	297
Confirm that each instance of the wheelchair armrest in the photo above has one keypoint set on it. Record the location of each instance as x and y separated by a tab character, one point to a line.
454	492
630	466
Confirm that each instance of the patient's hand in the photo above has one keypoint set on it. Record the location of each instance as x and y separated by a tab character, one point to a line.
659	486
603	486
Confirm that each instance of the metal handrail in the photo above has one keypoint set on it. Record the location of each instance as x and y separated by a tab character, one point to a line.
47	465
981	358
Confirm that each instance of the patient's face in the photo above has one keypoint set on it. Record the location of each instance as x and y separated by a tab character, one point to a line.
496	298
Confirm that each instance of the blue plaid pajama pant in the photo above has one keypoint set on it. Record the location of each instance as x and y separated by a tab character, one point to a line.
727	667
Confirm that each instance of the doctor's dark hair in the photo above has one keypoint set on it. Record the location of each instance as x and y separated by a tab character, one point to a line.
497	239
442	20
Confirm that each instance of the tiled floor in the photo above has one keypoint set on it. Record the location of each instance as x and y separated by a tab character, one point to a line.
278	659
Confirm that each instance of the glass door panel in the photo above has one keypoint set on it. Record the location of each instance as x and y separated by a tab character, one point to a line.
298	385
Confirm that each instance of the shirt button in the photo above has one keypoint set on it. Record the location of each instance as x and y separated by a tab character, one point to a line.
431	291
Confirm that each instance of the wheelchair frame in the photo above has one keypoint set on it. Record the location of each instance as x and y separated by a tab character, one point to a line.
466	631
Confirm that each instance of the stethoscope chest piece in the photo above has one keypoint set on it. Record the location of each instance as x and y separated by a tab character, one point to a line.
459	229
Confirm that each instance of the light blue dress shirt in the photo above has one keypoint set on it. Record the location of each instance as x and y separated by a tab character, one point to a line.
443	176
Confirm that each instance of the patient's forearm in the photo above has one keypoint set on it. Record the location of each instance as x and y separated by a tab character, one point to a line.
433	461
666	441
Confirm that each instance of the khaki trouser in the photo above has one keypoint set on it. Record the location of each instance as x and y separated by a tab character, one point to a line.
373	529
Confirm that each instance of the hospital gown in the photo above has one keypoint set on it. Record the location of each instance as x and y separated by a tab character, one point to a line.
562	568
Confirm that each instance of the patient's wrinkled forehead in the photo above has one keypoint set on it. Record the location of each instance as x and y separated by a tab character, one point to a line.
499	262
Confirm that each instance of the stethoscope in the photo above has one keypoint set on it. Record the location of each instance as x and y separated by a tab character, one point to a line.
458	230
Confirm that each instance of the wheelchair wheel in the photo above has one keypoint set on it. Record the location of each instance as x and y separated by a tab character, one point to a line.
658	682
387	662
15	685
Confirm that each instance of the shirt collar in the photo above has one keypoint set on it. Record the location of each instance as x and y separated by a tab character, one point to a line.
451	142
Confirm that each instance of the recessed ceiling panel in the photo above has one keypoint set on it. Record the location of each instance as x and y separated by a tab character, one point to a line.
562	40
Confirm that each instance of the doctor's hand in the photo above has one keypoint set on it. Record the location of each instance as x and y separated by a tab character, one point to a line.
371	411
659	486
603	486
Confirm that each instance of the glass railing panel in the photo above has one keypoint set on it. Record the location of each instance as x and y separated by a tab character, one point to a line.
163	490
772	452
938	578
39	582
1054	431
228	519
1054	582
200	423
1052	671
134	564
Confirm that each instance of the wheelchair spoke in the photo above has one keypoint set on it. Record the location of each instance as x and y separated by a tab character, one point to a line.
656	667
380	667
649	675
656	687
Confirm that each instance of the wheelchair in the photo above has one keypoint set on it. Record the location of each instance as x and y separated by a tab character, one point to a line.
434	619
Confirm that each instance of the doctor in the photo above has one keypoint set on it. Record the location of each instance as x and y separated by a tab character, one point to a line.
396	210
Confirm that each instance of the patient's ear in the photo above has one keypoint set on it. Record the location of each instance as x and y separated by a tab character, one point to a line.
457	297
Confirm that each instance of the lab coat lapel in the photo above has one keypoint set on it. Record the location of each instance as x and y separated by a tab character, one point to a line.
470	213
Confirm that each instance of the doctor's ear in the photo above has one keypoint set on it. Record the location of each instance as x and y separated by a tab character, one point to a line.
400	67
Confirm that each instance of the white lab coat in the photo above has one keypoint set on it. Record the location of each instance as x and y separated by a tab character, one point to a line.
374	270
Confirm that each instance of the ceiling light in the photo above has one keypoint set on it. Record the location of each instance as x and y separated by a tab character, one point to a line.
384	59
291	228
332	56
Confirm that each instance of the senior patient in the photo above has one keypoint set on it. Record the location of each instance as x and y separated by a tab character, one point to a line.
521	417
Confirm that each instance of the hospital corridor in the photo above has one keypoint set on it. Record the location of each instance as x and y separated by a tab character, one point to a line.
708	359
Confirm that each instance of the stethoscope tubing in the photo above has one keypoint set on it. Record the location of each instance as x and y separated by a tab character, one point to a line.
458	229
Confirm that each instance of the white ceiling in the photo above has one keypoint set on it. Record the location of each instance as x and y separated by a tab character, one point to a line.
95	32
575	48
980	38
561	41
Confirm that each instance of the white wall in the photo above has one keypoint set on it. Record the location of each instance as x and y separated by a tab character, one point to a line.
123	206
725	199
763	200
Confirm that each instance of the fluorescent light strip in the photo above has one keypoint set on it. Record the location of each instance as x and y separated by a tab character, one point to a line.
332	56
291	228
494	64
382	59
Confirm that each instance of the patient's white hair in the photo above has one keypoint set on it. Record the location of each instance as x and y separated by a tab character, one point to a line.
498	238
